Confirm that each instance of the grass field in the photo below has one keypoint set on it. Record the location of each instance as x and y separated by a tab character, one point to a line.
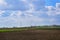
27	28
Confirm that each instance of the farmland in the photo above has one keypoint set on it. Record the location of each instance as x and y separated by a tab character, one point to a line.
30	33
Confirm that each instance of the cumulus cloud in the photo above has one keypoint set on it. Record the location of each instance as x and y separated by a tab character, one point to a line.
20	21
34	15
21	4
1	12
58	8
2	2
50	10
53	11
16	13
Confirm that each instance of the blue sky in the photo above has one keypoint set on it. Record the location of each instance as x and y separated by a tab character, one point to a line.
29	12
50	2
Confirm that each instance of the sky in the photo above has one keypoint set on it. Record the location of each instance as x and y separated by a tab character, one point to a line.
21	13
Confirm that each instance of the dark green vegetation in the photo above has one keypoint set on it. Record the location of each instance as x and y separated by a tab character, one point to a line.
53	27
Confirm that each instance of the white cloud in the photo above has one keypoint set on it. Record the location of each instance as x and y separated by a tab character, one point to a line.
24	0
58	5
53	11
3	3
52	20
1	12
58	8
16	19
20	21
49	7
31	7
58	13
16	13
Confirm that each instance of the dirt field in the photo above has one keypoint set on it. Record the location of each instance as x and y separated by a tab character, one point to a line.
31	35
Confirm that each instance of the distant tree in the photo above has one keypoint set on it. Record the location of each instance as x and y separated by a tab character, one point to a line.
54	25
14	27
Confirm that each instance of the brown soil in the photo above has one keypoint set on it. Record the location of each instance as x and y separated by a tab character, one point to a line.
31	35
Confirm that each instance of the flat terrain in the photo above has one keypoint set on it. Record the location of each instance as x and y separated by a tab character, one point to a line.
31	35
